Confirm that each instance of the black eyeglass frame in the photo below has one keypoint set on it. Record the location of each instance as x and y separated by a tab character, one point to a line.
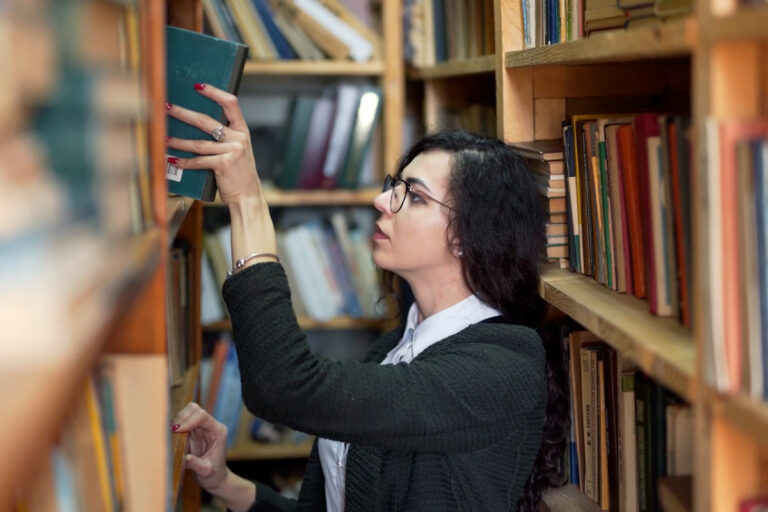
390	183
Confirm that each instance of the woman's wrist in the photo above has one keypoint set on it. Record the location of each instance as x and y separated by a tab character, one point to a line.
252	229
237	493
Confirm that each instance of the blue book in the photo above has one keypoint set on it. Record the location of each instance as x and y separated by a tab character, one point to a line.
438	17
192	57
760	153
229	403
281	44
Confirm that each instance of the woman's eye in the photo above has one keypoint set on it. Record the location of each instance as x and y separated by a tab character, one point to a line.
416	198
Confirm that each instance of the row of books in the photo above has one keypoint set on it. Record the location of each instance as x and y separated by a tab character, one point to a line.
737	152
628	201
100	175
92	467
627	431
328	139
327	260
180	277
443	30
548	22
293	29
221	395
545	160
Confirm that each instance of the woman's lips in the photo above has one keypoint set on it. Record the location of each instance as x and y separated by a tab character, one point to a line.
378	234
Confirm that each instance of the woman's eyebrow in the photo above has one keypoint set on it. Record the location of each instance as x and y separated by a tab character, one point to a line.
417	181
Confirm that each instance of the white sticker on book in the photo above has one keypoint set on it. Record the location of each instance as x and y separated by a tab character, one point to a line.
173	173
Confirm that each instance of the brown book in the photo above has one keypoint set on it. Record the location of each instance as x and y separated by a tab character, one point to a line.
326	40
629	169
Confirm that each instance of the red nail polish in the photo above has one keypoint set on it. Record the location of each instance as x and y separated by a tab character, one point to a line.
168	106
199	86
167	139
173	160
175	427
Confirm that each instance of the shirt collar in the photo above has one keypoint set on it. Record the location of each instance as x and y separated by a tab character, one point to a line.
446	322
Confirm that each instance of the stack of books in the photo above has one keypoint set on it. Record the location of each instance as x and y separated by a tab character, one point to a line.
293	29
545	159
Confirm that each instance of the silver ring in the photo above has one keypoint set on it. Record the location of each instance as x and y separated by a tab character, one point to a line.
218	134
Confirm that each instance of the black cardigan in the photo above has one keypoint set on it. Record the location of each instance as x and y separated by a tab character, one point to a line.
456	429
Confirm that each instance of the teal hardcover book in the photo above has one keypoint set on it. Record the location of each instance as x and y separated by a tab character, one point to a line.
192	57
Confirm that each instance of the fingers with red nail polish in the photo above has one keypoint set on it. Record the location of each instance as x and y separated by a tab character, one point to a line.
199	86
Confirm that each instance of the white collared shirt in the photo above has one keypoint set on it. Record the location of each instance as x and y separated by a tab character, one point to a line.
416	338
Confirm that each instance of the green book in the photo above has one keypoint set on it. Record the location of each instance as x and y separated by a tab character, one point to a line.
295	141
192	57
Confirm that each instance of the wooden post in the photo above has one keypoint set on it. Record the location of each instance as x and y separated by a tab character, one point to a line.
393	82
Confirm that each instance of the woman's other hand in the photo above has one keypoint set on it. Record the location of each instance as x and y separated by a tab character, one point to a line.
207	445
231	157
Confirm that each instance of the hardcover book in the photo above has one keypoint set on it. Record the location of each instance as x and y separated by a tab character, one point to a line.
192	57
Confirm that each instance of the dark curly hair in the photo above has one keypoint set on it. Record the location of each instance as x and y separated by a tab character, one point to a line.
498	223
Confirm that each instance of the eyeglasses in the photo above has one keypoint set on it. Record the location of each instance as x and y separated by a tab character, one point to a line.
400	189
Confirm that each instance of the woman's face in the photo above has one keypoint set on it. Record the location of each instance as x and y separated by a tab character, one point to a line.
414	239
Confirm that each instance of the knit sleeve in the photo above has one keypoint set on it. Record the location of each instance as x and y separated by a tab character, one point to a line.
462	399
267	500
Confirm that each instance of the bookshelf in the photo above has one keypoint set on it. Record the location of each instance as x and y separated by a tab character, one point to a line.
711	65
253	450
662	347
333	197
314	68
473	66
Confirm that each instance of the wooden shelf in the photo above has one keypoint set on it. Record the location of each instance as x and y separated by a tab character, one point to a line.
47	376
180	396
475	66
314	68
277	197
746	23
339	323
672	39
742	411
661	347
271	451
178	207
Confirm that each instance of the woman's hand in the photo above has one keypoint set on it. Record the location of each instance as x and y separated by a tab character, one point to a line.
207	446
231	158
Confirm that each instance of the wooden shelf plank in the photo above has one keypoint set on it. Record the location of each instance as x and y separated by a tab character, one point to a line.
661	347
178	207
475	66
314	68
180	396
338	323
672	39
277	197
744	412
746	23
271	451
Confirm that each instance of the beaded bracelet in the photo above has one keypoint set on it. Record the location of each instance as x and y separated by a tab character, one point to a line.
241	262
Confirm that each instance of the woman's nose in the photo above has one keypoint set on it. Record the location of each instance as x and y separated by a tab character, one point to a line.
381	202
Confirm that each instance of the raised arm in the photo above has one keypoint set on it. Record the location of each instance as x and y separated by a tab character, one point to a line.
232	161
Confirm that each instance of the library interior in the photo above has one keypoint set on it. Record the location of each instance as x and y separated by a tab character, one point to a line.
178	168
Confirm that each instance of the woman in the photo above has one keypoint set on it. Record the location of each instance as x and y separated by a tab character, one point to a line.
448	412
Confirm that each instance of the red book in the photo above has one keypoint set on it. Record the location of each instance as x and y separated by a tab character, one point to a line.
754	505
218	357
629	169
646	125
733	279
